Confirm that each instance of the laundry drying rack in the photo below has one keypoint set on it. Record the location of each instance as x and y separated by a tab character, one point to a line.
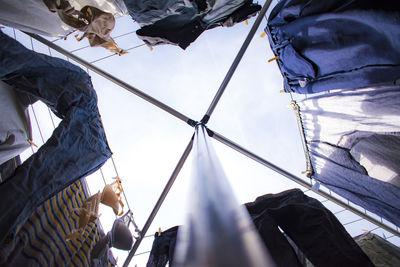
141	233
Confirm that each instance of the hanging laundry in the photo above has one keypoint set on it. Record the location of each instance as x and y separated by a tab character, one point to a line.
335	44
163	248
119	237
89	212
180	22
7	169
312	227
96	19
78	146
41	239
381	252
354	141
15	126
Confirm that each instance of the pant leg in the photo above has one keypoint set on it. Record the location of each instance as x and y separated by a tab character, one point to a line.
77	147
278	246
313	228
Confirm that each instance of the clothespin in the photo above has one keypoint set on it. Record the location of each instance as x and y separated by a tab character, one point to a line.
272	59
159	231
31	142
246	22
281	91
79	38
263	34
151	48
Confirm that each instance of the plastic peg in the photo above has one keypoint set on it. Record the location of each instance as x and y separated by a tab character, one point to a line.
263	34
31	143
272	59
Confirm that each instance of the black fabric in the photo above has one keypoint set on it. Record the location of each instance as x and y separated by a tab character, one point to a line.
180	23
7	168
163	31
163	248
313	228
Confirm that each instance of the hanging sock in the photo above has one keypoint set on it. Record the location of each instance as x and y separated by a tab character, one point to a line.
218	231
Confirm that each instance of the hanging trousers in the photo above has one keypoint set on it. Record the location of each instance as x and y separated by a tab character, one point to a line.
77	147
313	228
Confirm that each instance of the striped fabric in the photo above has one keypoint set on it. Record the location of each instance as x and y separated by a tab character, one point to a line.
43	234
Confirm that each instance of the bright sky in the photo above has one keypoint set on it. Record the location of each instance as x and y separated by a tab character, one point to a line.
148	142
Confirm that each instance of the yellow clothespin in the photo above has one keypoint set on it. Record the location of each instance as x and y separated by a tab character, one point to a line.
31	143
246	22
263	34
159	231
151	48
272	59
281	91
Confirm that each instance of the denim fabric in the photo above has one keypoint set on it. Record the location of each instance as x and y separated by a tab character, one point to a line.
335	44
78	145
347	133
313	228
7	169
180	22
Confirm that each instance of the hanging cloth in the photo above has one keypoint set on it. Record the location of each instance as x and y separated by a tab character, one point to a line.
354	141
180	22
301	218
77	147
41	239
34	16
335	44
218	231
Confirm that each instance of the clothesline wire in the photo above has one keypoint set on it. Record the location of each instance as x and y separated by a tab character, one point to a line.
112	55
307	154
235	63
116	172
111	78
261	161
64	52
354	221
88	46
